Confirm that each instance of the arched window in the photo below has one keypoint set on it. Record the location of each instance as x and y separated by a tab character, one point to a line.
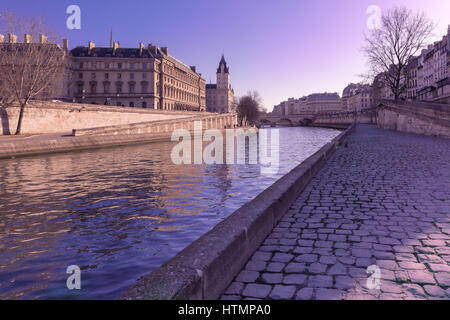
144	104
131	104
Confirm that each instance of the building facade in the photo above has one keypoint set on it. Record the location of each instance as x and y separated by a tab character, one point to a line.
145	77
220	96
357	97
311	105
426	76
433	72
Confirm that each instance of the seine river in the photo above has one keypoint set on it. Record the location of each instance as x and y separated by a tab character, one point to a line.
118	213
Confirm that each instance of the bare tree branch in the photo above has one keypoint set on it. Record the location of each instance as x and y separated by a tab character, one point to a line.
27	68
401	35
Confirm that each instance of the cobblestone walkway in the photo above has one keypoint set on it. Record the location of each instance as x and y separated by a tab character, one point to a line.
385	201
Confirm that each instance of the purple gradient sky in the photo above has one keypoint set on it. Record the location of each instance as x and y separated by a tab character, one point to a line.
282	49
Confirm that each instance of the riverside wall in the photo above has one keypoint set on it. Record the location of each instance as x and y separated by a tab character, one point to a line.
53	117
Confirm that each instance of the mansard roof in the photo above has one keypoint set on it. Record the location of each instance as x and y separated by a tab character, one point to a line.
109	52
211	86
224	63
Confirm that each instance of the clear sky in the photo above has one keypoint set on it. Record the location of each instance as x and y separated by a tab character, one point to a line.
282	49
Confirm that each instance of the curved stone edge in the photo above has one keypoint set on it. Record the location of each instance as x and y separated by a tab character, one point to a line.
206	267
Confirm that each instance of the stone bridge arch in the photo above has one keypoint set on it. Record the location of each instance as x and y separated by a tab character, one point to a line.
285	122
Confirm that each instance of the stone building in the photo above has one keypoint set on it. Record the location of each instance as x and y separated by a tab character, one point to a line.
357	97
58	86
433	71
310	105
425	77
220	96
146	77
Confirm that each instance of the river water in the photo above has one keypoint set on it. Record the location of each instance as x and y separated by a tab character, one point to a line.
118	213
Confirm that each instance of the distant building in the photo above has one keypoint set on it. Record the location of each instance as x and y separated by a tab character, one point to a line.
357	97
311	105
220	96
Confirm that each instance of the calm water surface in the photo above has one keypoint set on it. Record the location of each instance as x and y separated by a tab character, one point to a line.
118	213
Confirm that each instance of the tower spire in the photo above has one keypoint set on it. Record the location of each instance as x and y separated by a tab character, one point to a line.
111	40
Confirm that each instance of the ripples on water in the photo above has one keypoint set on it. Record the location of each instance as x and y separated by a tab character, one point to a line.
118	213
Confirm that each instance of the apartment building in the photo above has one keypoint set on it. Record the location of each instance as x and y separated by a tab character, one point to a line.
145	77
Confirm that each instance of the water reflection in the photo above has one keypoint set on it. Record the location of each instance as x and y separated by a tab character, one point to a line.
117	213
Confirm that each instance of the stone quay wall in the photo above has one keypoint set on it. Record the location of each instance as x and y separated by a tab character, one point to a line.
52	117
431	119
421	118
366	116
214	121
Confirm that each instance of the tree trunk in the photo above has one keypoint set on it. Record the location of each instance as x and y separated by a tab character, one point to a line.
19	122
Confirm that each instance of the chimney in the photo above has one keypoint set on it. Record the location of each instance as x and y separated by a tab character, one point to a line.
42	39
12	38
27	38
193	68
115	46
165	50
141	48
91	46
2	38
65	44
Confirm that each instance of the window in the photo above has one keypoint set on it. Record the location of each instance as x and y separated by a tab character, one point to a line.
106	65
131	76
80	76
106	75
131	104
131	88
119	88
144	104
144	66
80	88
132	66
93	76
144	88
119	76
106	87
144	76
81	65
119	66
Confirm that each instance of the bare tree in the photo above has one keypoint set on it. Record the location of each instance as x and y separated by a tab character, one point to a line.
249	108
28	68
400	36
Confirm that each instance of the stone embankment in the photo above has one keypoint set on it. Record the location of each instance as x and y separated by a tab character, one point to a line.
54	117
